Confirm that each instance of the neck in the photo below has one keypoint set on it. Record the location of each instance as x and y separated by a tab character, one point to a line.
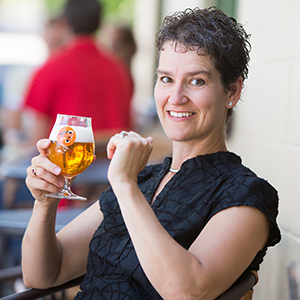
183	151
173	170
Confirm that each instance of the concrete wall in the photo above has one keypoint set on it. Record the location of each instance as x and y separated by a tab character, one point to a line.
267	125
145	26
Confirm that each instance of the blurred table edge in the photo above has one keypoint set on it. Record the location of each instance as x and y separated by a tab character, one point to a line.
13	222
95	173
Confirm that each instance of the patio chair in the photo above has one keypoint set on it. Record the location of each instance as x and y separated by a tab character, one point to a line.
240	290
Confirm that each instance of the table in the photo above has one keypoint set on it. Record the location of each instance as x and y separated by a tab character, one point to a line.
13	222
91	181
94	174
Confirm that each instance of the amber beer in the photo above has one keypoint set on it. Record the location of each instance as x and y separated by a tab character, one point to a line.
73	159
72	148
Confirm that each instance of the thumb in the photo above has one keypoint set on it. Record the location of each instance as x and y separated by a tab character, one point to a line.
43	145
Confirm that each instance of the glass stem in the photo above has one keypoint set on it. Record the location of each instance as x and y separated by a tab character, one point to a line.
67	184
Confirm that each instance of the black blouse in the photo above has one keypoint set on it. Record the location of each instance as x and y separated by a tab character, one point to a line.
204	186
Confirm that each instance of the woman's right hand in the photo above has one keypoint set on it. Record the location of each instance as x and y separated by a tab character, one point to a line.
43	176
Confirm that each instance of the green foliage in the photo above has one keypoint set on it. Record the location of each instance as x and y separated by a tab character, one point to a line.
228	6
113	9
54	6
119	9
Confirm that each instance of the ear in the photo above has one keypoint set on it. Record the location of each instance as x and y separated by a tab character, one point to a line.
234	93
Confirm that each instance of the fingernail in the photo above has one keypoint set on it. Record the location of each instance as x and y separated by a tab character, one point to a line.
61	183
57	171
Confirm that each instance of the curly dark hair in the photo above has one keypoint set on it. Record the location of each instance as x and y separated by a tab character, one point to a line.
211	32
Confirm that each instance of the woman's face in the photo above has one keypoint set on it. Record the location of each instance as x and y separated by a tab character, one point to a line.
190	98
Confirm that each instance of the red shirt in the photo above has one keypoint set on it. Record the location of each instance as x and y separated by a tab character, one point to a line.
81	80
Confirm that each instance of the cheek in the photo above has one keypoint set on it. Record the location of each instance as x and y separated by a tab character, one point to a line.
212	105
205	101
159	98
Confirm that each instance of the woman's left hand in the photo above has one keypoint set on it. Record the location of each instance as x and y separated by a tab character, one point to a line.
129	154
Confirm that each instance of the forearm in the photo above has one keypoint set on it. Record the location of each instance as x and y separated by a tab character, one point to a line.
172	270
162	258
41	253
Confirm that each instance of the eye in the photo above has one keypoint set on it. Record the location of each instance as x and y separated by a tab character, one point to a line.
198	82
166	79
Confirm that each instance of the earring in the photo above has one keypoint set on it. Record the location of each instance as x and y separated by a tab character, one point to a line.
230	104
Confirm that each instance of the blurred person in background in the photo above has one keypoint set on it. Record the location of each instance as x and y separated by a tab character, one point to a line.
15	121
79	79
119	40
55	34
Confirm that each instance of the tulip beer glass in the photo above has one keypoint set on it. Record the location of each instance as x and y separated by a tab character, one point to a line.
72	149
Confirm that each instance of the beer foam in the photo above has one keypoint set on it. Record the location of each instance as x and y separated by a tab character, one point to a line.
83	134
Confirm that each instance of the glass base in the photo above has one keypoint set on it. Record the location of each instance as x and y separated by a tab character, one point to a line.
65	194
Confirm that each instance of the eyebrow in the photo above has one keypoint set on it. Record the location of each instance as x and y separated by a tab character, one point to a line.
198	72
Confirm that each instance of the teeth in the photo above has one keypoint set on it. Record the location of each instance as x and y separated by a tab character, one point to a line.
180	115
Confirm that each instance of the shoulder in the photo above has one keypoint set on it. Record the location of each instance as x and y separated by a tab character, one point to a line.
244	188
51	66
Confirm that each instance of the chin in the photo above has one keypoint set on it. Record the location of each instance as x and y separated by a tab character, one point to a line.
177	137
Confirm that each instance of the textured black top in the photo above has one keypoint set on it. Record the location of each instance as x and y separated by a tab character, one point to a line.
204	186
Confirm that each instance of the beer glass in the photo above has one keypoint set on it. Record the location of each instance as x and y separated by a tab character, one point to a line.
72	149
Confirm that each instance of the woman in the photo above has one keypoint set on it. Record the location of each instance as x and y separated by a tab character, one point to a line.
184	229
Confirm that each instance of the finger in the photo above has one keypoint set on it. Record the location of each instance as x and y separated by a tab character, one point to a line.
39	185
43	145
41	174
123	134
33	171
45	163
150	139
111	147
118	139
50	178
41	166
134	134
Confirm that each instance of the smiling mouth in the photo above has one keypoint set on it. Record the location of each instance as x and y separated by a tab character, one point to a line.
180	114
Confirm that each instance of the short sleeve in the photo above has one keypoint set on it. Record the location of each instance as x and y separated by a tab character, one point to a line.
255	192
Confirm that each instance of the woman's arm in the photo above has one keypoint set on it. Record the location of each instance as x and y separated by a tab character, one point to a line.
49	259
220	254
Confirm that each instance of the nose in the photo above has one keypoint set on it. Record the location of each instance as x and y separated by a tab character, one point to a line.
177	95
